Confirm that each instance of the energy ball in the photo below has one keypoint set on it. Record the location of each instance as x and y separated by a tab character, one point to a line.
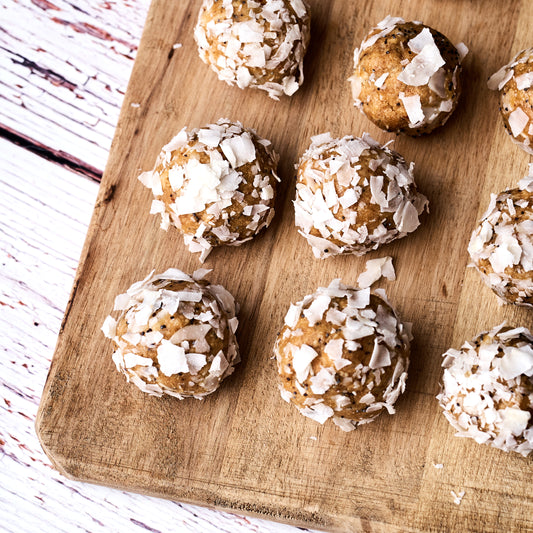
175	334
407	77
353	195
343	354
501	247
215	184
515	84
487	389
259	44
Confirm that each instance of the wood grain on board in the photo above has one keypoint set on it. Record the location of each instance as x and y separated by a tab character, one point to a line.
243	448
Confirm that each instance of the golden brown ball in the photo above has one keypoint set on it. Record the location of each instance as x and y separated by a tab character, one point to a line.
354	195
175	334
342	354
501	246
255	43
487	389
216	184
514	81
407	77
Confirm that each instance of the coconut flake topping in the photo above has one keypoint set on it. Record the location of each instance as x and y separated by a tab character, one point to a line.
500	78
425	63
486	384
332	181
209	194
253	44
346	318
146	310
375	269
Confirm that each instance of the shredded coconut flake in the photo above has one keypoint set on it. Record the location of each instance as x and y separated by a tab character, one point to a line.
109	327
302	359
171	358
457	498
316	310
381	80
374	270
524	81
318	412
518	120
425	63
462	49
413	109
131	360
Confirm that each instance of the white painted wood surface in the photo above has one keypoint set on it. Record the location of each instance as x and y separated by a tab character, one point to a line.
65	65
61	85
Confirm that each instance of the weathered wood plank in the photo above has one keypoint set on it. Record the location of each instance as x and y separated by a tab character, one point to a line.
44	213
65	65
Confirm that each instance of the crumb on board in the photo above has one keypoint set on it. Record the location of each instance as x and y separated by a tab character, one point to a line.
457	498
135	104
175	46
312	437
375	269
438	466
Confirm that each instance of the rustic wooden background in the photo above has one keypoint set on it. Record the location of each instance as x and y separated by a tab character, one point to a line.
63	73
64	67
393	482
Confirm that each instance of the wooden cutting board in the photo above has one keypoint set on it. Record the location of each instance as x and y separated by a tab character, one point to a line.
243	449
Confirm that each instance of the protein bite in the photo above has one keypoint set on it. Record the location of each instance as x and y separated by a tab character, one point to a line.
216	184
501	246
353	195
343	354
515	84
255	43
407	76
175	334
487	389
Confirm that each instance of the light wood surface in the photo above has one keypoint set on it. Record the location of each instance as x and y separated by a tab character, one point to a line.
243	449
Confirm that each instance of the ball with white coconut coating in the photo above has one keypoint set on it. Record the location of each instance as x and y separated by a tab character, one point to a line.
514	82
216	184
175	334
487	389
407	77
354	195
255	43
343	355
501	246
